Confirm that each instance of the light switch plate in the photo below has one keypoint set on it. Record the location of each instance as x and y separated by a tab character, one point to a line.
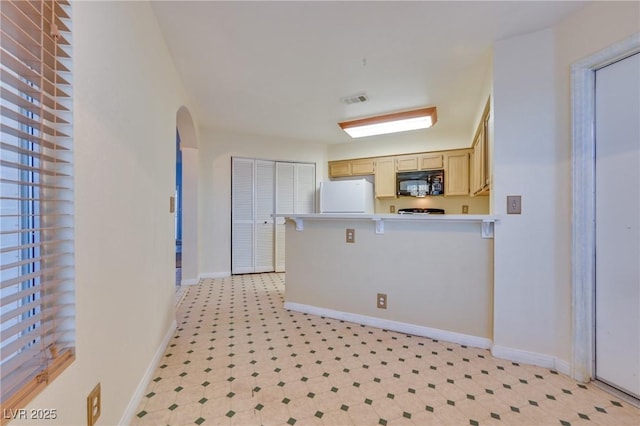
514	204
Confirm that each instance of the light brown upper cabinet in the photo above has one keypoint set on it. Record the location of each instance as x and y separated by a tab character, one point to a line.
407	163
430	161
385	177
339	168
457	173
426	161
480	173
359	167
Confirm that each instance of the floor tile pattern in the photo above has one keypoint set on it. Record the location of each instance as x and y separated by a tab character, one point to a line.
239	358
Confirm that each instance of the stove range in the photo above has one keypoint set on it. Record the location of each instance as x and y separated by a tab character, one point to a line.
420	211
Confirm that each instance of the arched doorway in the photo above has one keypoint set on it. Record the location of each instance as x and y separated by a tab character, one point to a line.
187	206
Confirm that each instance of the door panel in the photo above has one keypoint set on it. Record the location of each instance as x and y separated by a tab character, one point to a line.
265	207
242	216
617	297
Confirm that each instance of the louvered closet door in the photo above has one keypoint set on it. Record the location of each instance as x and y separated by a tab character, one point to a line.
265	224
285	177
242	215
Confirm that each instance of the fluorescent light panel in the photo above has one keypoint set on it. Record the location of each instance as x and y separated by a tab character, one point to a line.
391	123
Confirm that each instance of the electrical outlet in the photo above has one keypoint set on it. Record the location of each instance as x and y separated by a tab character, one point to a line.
465	209
94	406
392	209
172	204
351	235
381	301
514	204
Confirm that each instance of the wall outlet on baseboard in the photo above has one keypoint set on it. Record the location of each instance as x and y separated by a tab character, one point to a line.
381	302
94	406
351	235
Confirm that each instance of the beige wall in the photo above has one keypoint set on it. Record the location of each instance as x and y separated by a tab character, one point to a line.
126	94
532	149
216	149
435	274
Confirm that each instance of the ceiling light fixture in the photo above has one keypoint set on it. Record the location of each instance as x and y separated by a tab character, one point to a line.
391	123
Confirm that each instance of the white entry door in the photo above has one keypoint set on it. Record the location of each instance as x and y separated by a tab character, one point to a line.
617	298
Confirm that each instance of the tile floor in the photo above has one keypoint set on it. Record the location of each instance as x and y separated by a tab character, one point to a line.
239	358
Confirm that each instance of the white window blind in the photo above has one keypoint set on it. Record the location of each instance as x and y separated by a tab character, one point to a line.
36	199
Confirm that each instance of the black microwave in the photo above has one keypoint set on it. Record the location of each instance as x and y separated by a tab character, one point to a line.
420	183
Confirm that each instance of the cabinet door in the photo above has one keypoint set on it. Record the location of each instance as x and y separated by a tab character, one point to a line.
480	171
476	166
362	167
385	178
339	168
407	163
457	174
431	161
479	178
485	151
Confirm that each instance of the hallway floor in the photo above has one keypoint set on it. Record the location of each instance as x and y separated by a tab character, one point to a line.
239	358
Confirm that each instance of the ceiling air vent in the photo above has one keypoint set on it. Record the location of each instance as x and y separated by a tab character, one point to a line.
355	99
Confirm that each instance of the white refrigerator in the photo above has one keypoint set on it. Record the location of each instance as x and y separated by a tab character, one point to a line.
346	196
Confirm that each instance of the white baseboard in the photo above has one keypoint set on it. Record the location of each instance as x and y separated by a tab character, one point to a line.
417	330
223	274
541	360
130	412
190	281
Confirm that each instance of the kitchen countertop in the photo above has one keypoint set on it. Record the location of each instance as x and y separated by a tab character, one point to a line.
395	216
487	221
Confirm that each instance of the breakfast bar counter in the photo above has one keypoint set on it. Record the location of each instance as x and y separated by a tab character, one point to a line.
434	271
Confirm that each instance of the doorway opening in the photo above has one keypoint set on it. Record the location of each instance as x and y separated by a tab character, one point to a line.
178	204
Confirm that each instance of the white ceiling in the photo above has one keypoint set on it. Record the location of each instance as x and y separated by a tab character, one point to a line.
280	68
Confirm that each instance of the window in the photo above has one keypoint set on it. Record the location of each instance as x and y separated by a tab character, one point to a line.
36	198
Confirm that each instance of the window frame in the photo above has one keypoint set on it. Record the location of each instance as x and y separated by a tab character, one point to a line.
37	261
